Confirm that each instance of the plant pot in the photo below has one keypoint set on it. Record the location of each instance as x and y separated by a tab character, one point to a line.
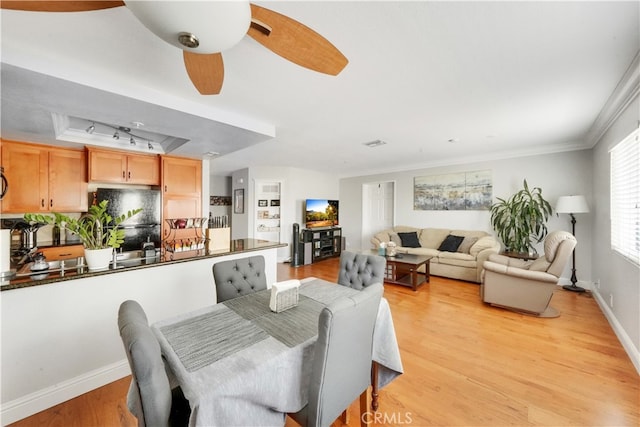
98	259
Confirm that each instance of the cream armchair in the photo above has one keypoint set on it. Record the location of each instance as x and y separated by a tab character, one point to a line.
527	286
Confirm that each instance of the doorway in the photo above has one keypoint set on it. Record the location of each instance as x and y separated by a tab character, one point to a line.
378	209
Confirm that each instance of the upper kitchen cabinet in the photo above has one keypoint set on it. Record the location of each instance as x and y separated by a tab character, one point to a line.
181	176
123	167
43	178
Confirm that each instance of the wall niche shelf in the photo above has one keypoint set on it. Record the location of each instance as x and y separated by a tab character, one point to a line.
267	210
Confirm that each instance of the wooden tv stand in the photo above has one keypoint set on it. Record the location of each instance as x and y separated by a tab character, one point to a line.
324	242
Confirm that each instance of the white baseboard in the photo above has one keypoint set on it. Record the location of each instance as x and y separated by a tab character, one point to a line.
40	400
627	344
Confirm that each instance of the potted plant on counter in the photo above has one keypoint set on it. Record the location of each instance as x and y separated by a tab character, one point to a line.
521	219
98	231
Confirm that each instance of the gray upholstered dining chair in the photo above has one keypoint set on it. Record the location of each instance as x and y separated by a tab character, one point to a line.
239	277
358	271
341	369
150	396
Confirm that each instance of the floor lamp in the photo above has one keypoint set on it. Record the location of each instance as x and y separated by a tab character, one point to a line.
572	205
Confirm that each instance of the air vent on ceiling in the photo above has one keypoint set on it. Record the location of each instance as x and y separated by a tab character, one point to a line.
376	143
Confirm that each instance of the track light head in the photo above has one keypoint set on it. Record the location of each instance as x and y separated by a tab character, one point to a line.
149	146
132	141
116	135
91	128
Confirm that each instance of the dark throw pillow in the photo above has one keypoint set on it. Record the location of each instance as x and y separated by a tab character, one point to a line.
451	243
409	240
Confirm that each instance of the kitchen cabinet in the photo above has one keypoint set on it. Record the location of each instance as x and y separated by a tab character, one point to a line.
43	178
181	193
55	253
122	167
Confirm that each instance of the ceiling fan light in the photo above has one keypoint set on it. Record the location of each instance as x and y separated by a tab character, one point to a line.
188	40
217	25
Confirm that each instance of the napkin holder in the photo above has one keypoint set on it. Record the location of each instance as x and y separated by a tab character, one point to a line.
284	295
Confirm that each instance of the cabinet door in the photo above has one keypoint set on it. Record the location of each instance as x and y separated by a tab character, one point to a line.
143	170
107	166
67	181
63	252
182	176
26	170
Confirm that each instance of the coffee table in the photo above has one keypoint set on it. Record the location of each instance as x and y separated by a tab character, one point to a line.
403	270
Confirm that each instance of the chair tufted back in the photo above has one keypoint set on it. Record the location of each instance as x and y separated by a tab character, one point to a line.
358	271
239	277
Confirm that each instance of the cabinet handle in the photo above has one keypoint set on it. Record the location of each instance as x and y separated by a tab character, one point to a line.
129	174
51	203
165	188
123	176
42	203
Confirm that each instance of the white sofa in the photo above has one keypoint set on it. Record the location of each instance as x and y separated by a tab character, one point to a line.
463	264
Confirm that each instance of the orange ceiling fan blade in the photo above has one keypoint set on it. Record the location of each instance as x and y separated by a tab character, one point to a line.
295	41
206	71
59	6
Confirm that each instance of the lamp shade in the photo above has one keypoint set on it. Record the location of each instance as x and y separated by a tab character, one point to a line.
572	204
218	25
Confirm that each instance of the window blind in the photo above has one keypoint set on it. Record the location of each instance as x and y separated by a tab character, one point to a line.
625	197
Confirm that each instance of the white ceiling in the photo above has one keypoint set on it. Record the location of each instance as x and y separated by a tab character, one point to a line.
502	78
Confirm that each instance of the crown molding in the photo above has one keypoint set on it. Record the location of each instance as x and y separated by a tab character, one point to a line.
624	93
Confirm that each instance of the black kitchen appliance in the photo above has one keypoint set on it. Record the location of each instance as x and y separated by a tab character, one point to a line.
141	228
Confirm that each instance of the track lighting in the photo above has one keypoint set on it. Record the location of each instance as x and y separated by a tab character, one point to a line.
121	129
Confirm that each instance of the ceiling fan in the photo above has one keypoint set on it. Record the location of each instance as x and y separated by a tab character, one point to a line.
203	29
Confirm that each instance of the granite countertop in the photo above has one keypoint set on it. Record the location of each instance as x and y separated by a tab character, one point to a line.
70	271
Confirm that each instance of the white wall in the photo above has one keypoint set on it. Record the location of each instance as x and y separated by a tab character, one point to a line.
240	222
557	174
297	186
618	277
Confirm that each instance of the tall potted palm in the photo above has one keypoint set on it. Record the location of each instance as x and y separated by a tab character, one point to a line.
98	231
520	220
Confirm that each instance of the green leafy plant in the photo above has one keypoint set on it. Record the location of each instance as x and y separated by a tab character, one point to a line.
521	219
96	229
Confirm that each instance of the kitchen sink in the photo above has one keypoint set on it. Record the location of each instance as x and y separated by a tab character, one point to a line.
133	258
122	256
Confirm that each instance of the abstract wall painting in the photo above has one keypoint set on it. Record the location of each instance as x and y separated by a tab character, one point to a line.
453	191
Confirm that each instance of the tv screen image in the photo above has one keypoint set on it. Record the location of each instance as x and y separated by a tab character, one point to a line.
321	213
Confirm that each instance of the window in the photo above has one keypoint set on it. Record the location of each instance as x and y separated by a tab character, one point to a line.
625	197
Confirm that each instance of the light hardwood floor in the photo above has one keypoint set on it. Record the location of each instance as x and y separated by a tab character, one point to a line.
466	364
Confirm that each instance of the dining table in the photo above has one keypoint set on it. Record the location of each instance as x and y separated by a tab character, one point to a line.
241	364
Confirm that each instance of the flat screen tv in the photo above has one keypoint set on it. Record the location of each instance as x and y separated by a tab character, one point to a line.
321	213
